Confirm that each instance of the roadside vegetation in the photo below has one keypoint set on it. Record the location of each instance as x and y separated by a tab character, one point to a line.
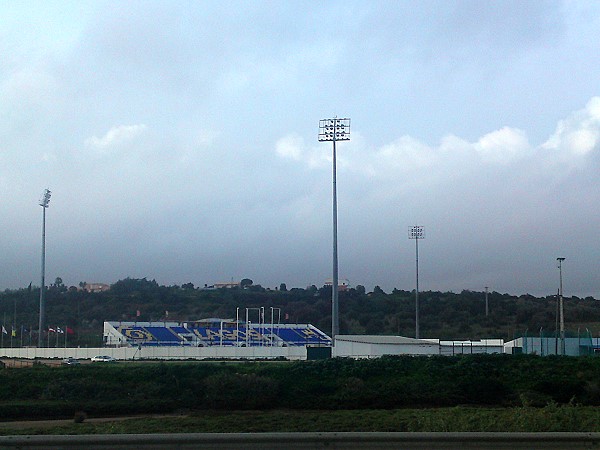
551	418
388	383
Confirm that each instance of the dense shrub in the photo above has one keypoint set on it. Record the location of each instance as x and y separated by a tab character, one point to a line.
240	391
384	383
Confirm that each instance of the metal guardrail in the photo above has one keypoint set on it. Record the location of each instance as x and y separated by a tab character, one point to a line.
354	440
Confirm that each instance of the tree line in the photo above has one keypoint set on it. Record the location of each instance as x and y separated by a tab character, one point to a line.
444	315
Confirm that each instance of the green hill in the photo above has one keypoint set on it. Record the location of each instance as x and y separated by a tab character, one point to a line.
444	315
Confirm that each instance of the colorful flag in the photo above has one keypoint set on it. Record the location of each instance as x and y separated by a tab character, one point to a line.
70	331
14	333
59	330
51	330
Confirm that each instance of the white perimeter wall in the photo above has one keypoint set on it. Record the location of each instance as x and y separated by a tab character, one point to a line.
125	353
366	350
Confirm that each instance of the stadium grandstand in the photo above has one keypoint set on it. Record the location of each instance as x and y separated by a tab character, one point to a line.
213	332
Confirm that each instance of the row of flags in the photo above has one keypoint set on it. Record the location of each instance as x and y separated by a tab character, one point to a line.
58	330
13	332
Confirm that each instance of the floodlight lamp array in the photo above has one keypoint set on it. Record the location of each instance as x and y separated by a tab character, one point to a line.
45	198
334	129
416	232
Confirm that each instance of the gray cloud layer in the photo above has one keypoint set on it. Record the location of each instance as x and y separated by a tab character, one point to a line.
179	140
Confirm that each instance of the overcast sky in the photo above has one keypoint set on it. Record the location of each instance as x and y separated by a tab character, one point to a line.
179	140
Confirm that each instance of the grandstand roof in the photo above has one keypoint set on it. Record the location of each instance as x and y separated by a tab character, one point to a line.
212	320
373	339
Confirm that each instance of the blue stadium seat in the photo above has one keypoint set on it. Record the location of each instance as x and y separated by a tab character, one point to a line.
214	335
163	334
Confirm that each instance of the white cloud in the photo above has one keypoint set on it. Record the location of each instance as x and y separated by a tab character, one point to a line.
502	146
293	146
404	155
290	146
115	138
408	155
579	134
506	149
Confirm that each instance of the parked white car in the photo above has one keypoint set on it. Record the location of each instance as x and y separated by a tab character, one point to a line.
103	358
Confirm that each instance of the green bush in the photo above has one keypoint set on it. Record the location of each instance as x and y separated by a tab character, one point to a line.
240	391
384	383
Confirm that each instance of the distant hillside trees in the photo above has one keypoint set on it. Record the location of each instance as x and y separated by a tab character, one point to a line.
444	315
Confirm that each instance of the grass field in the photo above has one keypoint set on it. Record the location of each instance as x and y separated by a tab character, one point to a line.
457	419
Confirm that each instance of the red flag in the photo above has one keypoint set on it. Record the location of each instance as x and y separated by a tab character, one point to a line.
70	331
51	330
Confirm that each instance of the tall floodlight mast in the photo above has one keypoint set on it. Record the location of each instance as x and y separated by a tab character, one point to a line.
44	201
334	130
416	232
561	307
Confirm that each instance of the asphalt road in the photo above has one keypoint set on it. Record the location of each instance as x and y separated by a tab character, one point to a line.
288	441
